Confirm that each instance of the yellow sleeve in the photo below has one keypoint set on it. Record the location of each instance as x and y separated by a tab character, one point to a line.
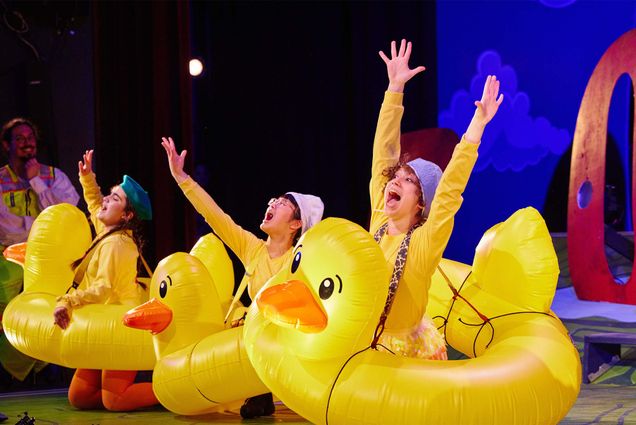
116	261
386	152
429	241
243	243
93	197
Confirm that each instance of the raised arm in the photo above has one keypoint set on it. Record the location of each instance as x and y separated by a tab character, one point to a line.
448	198
242	242
486	109
85	167
175	160
386	144
397	68
92	193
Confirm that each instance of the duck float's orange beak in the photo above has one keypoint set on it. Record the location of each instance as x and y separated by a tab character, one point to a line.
153	316
16	253
293	305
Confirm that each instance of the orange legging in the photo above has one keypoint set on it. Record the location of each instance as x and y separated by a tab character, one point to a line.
111	389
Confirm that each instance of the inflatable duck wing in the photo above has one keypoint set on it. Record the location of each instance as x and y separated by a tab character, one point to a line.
309	336
96	337
201	367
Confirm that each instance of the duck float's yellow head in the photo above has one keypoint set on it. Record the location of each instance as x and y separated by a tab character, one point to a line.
325	302
59	236
201	366
184	305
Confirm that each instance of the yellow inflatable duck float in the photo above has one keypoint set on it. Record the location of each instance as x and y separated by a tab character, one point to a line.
96	337
201	366
309	332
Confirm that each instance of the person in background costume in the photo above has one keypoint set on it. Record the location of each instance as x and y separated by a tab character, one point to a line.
27	188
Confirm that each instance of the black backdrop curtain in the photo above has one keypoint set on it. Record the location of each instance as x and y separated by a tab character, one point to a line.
291	94
288	100
143	92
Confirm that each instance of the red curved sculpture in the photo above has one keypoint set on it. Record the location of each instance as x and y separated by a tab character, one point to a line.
590	273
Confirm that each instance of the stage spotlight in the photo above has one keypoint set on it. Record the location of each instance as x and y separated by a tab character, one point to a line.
196	67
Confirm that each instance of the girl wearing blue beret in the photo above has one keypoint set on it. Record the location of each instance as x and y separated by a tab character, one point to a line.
107	274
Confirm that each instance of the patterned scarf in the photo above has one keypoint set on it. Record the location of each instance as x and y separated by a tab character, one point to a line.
398	269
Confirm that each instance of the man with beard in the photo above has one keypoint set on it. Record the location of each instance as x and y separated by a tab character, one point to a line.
27	187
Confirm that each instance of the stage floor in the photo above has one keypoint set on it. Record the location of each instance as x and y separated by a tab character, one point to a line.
597	404
609	399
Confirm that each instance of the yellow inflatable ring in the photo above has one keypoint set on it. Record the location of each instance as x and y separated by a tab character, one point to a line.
96	337
313	349
201	366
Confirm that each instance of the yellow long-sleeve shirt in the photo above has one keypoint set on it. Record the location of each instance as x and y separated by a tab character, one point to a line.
428	241
110	277
251	250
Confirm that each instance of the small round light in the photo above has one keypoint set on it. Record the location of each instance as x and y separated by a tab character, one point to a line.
196	67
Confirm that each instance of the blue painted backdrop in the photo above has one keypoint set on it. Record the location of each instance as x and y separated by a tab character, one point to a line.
544	53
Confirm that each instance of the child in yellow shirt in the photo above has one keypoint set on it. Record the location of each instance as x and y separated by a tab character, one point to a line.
413	212
107	274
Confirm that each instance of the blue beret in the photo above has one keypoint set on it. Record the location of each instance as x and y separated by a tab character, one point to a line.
138	198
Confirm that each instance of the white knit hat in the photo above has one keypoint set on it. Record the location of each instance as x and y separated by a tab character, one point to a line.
429	175
311	209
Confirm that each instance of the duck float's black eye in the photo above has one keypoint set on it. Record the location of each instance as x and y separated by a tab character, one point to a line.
296	262
163	287
326	288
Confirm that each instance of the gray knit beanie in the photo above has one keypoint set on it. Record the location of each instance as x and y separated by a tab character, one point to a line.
429	175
